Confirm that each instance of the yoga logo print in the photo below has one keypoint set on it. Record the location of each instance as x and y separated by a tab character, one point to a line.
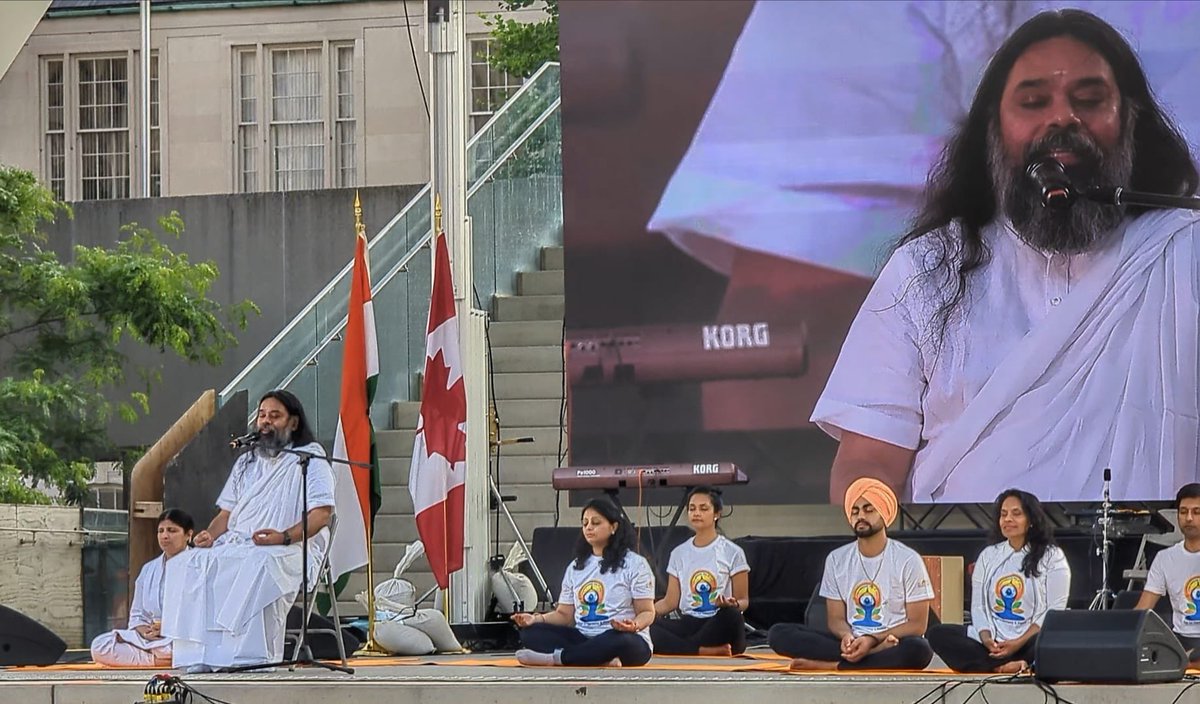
1191	595
704	587
866	597
1009	591
590	601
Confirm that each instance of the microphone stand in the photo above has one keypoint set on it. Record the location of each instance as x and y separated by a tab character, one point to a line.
1103	598
302	653
1121	196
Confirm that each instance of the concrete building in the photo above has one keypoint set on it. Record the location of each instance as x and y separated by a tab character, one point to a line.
246	95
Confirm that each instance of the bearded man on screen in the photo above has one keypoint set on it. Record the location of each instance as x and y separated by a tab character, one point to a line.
1010	344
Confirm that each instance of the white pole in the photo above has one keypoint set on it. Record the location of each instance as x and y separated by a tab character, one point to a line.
446	44
144	13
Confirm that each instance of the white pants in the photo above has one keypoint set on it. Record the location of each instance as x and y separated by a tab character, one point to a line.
110	651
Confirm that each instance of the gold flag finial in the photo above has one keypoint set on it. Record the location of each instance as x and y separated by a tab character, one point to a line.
360	229
437	213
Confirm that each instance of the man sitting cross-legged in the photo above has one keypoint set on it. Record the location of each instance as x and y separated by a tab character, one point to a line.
877	592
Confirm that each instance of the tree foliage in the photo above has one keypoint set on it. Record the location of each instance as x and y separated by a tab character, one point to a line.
520	48
66	328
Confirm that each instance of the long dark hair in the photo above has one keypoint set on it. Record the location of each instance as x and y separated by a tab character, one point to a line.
302	435
1040	535
959	187
619	543
179	517
714	497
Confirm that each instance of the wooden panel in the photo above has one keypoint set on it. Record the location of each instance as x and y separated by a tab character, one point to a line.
946	573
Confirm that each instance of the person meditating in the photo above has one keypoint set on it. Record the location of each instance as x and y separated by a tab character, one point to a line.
1175	573
226	604
141	643
877	592
1015	582
606	605
708	581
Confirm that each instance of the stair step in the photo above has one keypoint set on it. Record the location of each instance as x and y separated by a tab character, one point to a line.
537	283
552	258
398	443
402	529
513	412
519	333
523	470
527	359
528	385
541	412
528	307
531	498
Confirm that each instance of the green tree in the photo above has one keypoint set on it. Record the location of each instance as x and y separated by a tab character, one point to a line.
520	48
66	326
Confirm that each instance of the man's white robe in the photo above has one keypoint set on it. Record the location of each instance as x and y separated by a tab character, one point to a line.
227	605
1054	369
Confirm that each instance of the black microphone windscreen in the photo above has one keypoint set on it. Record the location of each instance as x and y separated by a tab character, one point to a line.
1107	474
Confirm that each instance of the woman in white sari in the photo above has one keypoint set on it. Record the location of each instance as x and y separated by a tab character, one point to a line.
141	644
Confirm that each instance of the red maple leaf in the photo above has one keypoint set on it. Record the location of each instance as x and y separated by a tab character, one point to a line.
443	410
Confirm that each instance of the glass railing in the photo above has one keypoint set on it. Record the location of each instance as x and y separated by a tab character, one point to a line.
515	200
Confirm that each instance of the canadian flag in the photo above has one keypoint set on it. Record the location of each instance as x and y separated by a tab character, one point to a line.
439	458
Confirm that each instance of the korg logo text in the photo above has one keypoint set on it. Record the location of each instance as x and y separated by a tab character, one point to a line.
730	337
705	469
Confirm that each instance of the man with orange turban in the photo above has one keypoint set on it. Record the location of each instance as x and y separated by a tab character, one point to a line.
877	596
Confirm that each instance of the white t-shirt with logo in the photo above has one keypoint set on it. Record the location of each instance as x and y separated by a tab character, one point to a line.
1175	572
1005	601
875	589
705	573
600	598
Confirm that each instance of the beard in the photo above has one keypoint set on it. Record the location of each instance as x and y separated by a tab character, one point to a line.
1079	227
270	444
866	531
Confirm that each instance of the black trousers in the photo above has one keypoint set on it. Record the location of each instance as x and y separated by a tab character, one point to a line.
686	635
1191	643
578	649
963	653
796	641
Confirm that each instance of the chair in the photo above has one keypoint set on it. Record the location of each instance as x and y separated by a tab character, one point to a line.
324	579
1141	567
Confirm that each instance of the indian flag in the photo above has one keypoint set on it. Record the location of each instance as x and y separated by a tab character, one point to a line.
357	494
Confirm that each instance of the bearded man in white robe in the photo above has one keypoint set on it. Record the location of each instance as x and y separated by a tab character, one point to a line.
226	604
1010	344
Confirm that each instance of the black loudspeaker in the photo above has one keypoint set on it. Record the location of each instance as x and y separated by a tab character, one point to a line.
1108	646
24	641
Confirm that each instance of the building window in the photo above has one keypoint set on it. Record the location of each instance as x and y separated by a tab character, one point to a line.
490	87
309	114
247	129
347	163
89	104
155	132
104	128
56	130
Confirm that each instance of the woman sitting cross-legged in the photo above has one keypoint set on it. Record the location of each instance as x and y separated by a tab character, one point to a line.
606	605
1016	581
142	643
708	582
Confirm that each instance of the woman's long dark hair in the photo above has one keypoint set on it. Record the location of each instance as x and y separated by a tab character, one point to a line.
302	435
959	188
1040	535
619	543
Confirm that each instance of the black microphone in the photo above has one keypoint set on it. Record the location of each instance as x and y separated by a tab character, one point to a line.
1107	474
1053	183
246	440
